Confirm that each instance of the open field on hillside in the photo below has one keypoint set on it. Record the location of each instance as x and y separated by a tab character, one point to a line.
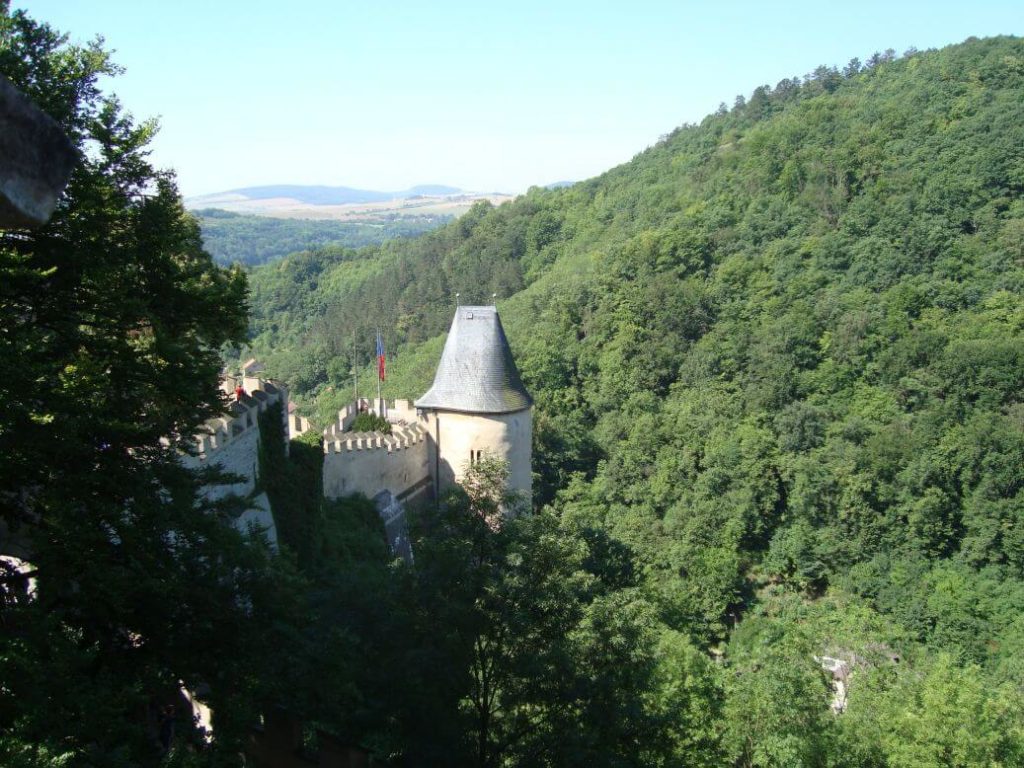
289	208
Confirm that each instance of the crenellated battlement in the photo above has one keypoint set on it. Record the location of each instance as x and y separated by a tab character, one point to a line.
231	443
395	411
406	428
373	462
402	436
398	411
242	415
297	424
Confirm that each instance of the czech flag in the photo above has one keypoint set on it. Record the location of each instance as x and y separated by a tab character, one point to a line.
380	357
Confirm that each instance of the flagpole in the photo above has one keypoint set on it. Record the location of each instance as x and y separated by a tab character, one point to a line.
380	398
355	371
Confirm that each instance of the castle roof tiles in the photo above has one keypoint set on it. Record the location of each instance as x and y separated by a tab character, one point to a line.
477	373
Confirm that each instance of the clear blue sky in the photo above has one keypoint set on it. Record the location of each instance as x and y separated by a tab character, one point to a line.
484	95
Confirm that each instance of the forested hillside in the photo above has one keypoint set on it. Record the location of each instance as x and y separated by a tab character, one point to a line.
234	237
778	363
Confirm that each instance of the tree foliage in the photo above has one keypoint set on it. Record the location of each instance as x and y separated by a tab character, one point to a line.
253	240
777	368
112	319
776	358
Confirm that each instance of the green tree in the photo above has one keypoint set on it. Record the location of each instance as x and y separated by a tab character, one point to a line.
776	354
776	711
556	660
112	318
938	714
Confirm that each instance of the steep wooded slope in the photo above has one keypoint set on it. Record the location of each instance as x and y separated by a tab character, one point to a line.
778	363
784	343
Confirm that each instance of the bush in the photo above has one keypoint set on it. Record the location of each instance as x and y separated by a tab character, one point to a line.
370	422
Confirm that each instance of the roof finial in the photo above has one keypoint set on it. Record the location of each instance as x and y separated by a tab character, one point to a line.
494	298
457	304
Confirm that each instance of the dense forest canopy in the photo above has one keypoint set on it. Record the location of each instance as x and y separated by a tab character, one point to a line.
252	240
777	363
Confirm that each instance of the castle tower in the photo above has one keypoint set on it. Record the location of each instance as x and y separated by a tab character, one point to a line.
478	405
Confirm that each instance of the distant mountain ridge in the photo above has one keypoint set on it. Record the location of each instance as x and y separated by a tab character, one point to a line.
321	194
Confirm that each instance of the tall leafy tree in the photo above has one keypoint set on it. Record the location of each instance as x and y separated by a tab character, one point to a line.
541	653
111	319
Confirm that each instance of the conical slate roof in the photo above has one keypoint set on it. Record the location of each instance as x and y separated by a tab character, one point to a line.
477	373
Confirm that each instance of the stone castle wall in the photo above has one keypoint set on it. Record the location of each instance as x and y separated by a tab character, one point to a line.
297	425
231	443
372	462
434	446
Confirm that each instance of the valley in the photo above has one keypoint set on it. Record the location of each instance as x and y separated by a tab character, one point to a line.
712	459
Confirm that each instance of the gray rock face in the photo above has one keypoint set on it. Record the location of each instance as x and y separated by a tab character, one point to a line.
36	160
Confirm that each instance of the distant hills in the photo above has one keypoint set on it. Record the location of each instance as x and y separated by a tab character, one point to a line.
319	194
297	201
237	237
254	225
